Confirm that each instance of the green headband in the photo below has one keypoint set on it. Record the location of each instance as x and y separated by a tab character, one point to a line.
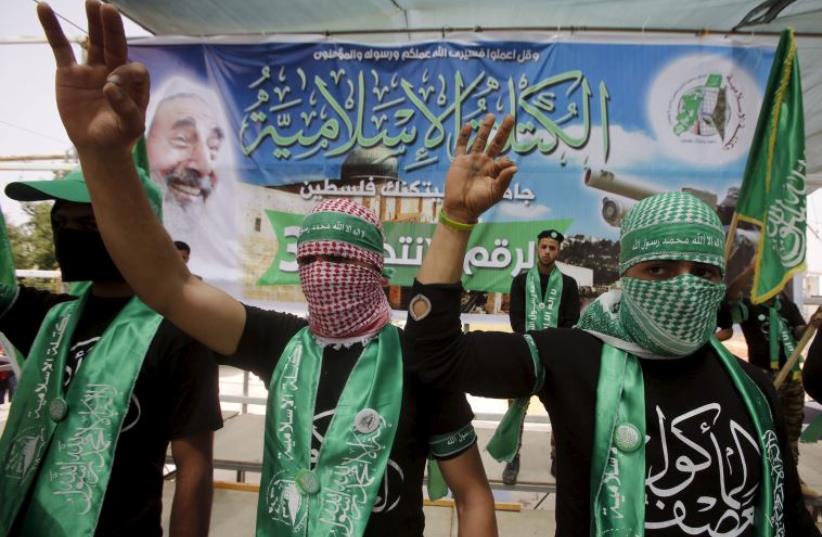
335	226
672	226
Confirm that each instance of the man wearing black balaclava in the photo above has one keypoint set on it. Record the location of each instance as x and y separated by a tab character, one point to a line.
107	384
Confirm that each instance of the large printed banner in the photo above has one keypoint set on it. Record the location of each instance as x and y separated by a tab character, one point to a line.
246	138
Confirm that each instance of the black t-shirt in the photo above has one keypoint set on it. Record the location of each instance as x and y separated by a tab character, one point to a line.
701	462
755	326
175	395
425	414
568	314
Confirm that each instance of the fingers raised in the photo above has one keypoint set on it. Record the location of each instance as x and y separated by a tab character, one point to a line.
133	79
115	48
130	114
95	32
462	140
60	46
501	136
506	170
482	136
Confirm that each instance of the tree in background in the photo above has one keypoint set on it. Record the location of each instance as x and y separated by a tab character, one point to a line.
32	243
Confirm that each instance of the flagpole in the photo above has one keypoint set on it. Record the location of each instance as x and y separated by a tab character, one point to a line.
729	238
810	330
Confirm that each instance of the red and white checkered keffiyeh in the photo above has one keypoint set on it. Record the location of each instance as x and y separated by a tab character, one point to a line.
344	300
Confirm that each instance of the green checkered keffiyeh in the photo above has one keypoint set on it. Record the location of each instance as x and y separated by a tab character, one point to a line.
674	225
667	318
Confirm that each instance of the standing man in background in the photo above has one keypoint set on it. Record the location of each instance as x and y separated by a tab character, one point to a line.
540	298
771	330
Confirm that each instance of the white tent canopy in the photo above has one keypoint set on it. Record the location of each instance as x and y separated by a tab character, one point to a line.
221	17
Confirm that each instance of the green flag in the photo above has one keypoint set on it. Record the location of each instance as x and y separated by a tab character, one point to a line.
8	284
773	189
140	155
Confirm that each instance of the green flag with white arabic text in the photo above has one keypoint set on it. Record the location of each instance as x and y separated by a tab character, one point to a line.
773	189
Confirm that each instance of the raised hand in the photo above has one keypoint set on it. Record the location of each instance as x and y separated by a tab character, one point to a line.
102	103
477	178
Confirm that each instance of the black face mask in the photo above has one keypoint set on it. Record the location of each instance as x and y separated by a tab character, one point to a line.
82	256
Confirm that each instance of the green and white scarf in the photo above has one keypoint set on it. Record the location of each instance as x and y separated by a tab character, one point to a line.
618	456
656	319
59	447
540	312
336	497
780	333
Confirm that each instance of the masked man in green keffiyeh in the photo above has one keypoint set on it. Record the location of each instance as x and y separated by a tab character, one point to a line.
541	297
348	431
660	431
107	385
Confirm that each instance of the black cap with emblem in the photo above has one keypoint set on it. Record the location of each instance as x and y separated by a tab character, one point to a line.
551	234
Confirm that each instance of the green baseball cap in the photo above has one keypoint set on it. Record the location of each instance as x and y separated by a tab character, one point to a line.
73	188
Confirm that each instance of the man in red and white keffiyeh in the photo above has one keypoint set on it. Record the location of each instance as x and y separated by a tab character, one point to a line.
342	282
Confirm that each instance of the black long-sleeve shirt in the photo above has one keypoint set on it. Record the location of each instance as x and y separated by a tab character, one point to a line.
568	314
755	326
701	454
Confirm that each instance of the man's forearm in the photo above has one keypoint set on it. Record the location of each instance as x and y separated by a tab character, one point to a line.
466	478
475	515
191	510
443	262
147	258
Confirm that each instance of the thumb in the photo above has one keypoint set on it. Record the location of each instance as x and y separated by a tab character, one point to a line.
126	90
131	118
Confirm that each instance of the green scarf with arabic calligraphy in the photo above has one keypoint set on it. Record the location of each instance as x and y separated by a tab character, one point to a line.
540	312
618	461
779	333
59	447
336	497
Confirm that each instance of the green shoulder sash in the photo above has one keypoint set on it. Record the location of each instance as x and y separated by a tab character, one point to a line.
618	461
335	496
59	446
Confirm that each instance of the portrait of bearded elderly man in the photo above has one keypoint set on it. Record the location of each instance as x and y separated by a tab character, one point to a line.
660	430
190	159
186	140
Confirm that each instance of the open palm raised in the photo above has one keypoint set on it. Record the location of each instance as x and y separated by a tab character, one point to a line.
102	103
478	177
